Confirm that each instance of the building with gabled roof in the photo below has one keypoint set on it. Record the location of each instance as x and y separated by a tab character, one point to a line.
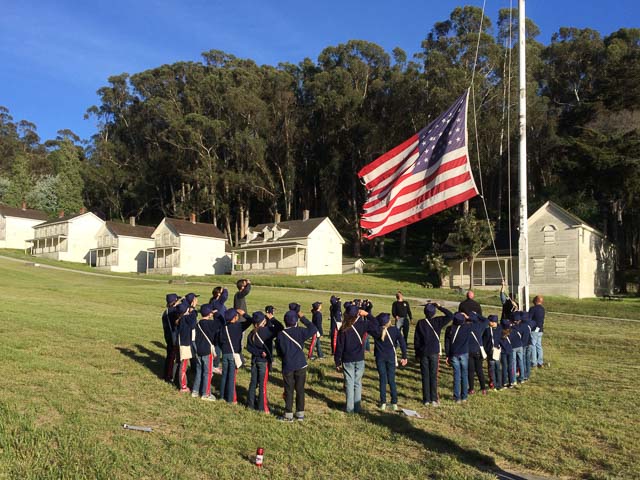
311	246
567	257
67	238
123	247
16	225
188	247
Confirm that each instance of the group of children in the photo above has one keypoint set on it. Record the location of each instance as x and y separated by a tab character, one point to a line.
214	344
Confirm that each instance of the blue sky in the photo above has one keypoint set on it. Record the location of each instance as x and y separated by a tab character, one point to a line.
55	55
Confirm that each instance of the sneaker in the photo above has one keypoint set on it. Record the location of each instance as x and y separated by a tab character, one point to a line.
195	394
426	404
184	390
540	365
511	385
472	391
394	407
217	371
209	398
464	400
383	406
299	419
458	401
484	392
286	419
435	404
313	359
491	386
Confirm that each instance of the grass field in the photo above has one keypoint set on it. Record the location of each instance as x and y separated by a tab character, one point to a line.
82	356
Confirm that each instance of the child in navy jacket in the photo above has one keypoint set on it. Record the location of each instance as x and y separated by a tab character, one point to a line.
316	319
524	328
290	345
187	319
335	312
426	342
206	331
219	296
516	344
231	344
478	326
456	346
349	355
258	344
492	337
169	330
387	337
506	359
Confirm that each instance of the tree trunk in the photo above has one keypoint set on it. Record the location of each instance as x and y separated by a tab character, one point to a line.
471	262
403	241
381	247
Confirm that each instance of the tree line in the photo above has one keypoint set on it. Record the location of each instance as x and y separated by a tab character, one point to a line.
236	142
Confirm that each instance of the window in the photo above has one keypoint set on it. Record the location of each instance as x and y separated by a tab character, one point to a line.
561	265
538	266
549	233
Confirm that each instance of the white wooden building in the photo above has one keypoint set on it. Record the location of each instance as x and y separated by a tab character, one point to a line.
67	238
123	247
566	257
16	225
187	247
312	246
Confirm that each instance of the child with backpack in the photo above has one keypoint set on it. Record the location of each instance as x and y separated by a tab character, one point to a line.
230	338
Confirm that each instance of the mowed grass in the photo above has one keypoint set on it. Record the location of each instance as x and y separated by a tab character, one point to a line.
82	356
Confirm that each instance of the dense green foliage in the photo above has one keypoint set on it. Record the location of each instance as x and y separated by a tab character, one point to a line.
236	142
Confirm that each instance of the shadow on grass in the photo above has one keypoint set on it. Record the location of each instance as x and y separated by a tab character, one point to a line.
401	425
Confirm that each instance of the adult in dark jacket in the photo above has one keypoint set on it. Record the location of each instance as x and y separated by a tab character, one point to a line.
290	345
478	325
387	338
264	331
401	312
335	313
456	347
349	355
536	316
469	305
509	305
426	342
169	330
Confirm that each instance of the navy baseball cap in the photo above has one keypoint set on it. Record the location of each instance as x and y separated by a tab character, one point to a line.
171	298
270	309
206	309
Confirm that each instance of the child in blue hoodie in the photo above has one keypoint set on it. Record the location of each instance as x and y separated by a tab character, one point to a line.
219	296
456	346
524	328
316	319
258	344
478	325
206	333
516	344
349	355
335	313
290	346
170	339
387	337
426	342
231	345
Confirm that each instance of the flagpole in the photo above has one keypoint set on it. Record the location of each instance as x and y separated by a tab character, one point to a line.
523	243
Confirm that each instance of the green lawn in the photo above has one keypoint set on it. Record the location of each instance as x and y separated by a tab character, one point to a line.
82	356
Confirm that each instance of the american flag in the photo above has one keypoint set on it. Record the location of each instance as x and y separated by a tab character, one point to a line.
426	174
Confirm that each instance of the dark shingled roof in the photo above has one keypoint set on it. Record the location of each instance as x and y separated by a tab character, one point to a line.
8	211
63	219
297	229
185	227
127	230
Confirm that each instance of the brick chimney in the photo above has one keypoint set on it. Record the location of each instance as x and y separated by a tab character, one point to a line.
193	218
24	205
83	210
276	218
132	221
305	215
61	214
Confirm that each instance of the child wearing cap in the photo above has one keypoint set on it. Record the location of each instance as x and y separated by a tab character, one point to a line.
206	332
506	359
387	337
515	338
349	355
335	313
456	346
231	345
524	328
258	344
290	345
426	342
316	319
491	339
187	319
478	325
169	330
219	296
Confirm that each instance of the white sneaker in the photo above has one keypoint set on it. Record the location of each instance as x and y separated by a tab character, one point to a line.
194	394
383	406
435	404
209	398
394	407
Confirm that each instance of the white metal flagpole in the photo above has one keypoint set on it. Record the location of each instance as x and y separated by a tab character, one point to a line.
523	243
